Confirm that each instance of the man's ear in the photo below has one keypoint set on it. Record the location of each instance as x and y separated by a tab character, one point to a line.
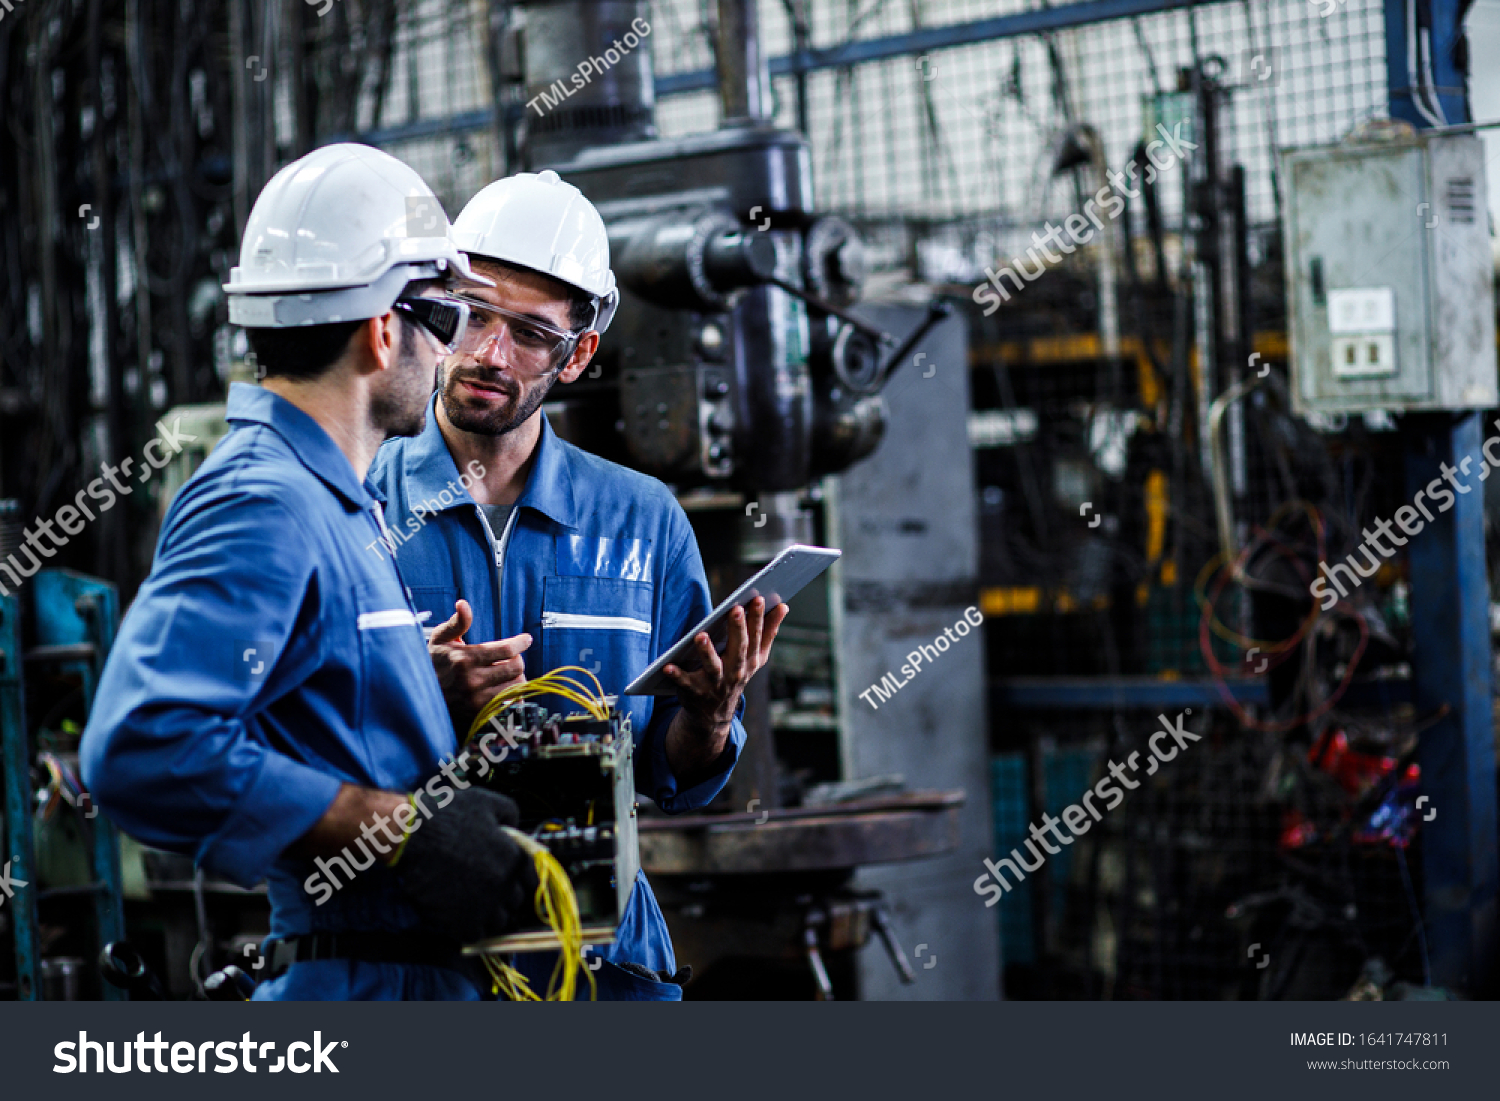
588	344
376	341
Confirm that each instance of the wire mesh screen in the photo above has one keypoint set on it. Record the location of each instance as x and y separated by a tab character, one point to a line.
415	79
960	132
959	137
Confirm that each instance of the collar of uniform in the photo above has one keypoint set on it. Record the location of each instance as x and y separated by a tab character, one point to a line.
305	436
430	469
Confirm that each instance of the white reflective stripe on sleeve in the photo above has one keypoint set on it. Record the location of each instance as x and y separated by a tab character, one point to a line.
596	622
395	617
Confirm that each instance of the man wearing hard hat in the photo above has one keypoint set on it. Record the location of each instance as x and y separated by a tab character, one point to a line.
555	556
270	701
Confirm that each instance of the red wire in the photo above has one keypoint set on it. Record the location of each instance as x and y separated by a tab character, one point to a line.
1205	643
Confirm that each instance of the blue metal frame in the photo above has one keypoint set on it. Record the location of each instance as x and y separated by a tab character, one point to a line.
1450	597
1124	693
17	770
1451	665
1148	693
1038	21
1450	86
69	609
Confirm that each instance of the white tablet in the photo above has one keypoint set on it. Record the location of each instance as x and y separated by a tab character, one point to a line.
783	579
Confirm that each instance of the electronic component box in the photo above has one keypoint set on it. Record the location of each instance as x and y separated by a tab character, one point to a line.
1390	277
572	778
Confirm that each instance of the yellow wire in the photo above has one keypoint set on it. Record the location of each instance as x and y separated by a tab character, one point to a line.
557	905
598	688
553	683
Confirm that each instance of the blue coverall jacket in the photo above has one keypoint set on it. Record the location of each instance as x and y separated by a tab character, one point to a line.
600	566
268	658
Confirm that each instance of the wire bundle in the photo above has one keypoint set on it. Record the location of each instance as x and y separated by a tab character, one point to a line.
557	905
1222	571
554	683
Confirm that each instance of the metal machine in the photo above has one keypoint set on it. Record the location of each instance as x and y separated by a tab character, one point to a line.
733	357
735	371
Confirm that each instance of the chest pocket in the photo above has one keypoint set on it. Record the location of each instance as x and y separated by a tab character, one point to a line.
600	623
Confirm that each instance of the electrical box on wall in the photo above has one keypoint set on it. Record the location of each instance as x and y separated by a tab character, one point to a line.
1390	277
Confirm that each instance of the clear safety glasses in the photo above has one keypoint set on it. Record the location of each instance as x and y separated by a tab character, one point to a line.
534	346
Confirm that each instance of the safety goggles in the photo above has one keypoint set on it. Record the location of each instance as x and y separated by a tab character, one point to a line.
534	345
447	319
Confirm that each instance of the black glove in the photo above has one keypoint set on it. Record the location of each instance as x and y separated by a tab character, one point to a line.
466	877
640	970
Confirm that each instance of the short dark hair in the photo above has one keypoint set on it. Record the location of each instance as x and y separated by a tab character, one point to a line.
580	303
304	352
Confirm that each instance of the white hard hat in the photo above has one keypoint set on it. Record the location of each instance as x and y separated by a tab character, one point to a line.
536	220
335	236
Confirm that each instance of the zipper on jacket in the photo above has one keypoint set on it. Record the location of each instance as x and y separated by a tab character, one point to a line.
595	622
498	547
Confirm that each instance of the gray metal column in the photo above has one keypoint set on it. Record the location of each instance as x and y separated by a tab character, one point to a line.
905	519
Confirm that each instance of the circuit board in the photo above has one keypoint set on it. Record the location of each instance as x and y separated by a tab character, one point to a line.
572	778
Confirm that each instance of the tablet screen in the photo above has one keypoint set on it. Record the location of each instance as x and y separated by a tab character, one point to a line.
788	573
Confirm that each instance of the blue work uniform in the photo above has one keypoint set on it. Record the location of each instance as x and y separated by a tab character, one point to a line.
269	658
599	564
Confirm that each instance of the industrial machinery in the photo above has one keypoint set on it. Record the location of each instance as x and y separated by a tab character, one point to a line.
733	359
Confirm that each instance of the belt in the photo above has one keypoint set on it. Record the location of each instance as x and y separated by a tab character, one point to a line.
418	948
